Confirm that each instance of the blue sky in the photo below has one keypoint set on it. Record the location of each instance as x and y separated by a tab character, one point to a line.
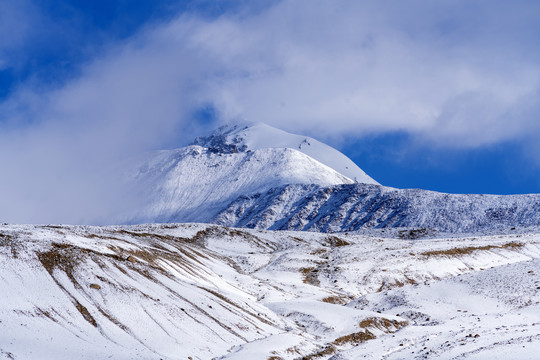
437	95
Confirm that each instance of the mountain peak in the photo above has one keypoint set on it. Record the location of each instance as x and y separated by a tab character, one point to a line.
226	139
197	182
250	136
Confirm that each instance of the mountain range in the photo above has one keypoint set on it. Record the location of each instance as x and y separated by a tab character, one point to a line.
256	176
375	272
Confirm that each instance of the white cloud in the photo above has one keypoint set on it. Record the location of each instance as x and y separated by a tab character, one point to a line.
451	73
364	69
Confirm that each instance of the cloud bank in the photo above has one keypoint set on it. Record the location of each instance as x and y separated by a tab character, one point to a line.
451	73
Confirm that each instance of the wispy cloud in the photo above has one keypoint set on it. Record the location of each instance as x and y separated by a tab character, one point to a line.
451	73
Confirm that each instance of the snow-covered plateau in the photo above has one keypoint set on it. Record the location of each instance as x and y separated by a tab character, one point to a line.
199	291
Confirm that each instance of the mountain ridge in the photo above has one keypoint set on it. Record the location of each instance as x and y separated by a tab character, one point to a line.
260	177
192	184
196	182
353	207
256	135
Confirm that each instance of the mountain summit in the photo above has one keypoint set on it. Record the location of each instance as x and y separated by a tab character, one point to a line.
195	183
255	136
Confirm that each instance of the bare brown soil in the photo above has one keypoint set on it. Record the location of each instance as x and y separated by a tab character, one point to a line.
471	249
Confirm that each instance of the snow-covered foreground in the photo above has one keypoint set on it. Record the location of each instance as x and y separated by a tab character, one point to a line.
181	291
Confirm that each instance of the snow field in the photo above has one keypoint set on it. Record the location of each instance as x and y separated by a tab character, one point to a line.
173	291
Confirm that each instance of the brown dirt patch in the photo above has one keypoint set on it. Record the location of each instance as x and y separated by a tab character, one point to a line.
471	249
335	241
384	324
85	313
310	276
338	300
328	350
354	338
396	284
10	242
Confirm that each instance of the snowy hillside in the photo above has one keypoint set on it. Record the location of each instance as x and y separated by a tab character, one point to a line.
254	136
359	206
196	291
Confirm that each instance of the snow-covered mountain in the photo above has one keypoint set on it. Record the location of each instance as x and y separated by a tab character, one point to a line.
255	136
353	207
260	177
202	291
195	183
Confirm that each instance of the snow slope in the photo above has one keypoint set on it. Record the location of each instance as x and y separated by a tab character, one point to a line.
92	293
353	207
174	291
195	183
254	136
